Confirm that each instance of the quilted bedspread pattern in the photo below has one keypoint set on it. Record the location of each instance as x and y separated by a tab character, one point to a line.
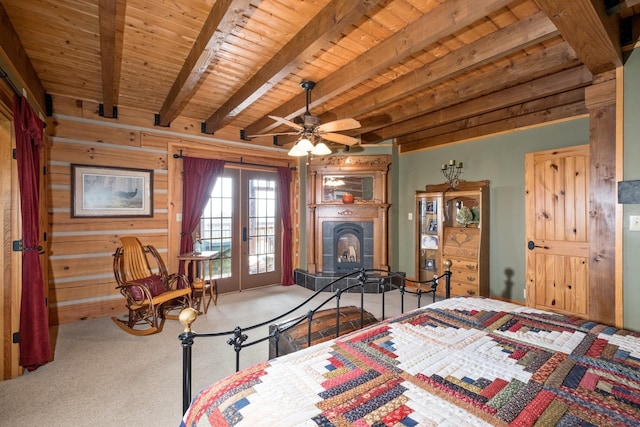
458	362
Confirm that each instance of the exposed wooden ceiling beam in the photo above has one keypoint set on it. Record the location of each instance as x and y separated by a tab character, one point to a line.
332	20
442	21
584	24
505	120
624	8
522	34
395	120
11	48
222	19
111	22
558	83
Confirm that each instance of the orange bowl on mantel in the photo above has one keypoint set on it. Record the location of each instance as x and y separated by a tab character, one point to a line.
347	198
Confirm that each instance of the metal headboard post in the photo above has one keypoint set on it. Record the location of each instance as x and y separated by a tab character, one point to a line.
361	282
187	317
338	295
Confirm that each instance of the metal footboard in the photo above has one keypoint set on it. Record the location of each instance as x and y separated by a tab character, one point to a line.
238	337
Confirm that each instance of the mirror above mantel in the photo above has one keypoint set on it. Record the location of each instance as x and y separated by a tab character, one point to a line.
335	186
365	177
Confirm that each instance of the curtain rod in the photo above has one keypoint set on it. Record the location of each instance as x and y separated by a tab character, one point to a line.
6	78
241	162
16	91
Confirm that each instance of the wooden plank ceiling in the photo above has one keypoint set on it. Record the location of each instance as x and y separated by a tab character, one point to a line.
421	72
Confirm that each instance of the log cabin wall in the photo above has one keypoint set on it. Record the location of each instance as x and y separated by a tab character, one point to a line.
80	250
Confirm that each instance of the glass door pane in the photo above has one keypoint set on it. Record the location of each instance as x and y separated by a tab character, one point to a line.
216	227
262	230
219	227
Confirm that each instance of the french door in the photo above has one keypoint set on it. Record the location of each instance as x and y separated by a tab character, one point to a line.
242	223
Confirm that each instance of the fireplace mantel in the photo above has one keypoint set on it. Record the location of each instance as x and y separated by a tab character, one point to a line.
374	209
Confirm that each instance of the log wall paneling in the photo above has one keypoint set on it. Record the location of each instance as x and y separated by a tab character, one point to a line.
81	281
80	250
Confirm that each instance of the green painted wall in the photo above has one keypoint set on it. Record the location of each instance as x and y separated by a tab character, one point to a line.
500	160
631	239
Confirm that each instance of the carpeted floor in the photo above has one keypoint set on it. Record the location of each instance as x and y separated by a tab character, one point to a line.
102	376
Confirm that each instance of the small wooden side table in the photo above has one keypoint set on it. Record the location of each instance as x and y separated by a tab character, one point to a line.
204	287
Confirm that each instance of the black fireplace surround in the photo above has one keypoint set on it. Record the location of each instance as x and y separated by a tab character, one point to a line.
347	246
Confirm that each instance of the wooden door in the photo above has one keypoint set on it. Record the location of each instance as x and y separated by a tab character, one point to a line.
557	237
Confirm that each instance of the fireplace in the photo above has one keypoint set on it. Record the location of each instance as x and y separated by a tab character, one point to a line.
347	246
340	236
347	240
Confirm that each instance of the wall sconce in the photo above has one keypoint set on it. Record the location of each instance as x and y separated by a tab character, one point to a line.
451	173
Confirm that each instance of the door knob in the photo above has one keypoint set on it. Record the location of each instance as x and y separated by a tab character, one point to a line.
531	245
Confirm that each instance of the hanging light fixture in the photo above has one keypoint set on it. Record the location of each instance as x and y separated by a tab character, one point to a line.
305	146
302	147
321	149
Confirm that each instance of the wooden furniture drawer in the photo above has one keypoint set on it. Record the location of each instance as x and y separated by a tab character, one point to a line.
461	242
464	264
465	276
463	289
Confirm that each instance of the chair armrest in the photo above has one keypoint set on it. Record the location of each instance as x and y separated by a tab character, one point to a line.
178	281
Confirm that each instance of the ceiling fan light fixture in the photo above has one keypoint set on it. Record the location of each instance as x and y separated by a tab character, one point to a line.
321	149
302	147
304	144
296	151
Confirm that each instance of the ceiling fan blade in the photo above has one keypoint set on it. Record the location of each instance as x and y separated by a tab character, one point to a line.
338	125
342	139
273	134
284	121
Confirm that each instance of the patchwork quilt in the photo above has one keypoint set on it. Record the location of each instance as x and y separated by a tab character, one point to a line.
458	362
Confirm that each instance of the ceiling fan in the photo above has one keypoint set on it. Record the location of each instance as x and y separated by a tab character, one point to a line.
308	126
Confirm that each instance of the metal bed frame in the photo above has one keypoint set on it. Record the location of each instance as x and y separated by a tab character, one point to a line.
386	281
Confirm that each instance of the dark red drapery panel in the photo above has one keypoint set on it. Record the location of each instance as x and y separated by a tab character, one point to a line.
35	349
199	178
284	186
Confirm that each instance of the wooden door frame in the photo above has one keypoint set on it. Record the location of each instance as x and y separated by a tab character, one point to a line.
10	290
226	152
604	102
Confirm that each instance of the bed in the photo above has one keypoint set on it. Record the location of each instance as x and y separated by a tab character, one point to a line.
463	361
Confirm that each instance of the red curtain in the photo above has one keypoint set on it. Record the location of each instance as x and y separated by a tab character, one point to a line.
284	188
35	349
199	177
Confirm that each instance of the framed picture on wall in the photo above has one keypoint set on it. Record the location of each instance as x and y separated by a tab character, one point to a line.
430	264
106	192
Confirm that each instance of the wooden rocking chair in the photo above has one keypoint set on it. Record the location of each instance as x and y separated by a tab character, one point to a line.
150	294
